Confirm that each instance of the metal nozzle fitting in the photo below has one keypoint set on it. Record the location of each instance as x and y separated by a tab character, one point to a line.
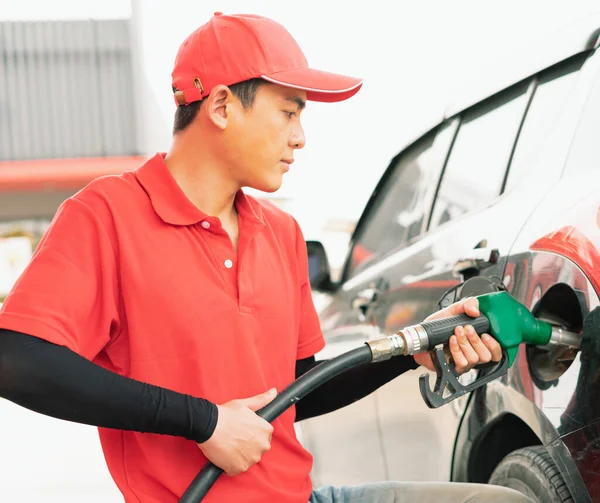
386	347
408	341
415	338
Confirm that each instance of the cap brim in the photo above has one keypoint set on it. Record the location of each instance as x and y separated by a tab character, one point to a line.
319	85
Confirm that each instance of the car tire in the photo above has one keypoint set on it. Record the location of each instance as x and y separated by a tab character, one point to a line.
532	471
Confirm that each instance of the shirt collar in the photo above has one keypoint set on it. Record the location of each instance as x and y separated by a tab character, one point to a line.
173	206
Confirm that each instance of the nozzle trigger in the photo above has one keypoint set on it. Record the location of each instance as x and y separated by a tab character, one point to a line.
447	379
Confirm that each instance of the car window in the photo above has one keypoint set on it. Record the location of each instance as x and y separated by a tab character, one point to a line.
400	207
477	165
551	92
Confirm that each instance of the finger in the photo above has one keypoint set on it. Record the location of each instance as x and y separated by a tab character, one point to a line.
493	346
451	310
460	362
456	308
465	346
471	307
468	305
259	401
483	353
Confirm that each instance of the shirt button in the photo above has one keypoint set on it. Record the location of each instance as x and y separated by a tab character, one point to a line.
205	224
228	264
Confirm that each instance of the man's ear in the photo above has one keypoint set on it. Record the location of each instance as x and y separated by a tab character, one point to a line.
218	105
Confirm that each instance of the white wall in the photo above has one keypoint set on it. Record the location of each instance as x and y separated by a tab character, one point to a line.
22	10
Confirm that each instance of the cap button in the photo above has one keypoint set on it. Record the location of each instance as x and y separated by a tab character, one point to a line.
218	13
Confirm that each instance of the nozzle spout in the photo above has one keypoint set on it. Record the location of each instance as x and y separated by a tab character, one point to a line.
564	338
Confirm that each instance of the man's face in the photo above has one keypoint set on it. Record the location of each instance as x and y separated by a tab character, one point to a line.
261	140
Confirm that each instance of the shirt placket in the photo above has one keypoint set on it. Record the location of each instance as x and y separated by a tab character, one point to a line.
223	253
247	234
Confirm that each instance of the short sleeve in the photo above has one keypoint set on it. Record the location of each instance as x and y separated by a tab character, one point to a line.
310	338
68	292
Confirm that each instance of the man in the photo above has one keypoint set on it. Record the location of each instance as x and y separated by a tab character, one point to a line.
163	305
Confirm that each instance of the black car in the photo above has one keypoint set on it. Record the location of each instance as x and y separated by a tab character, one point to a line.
504	192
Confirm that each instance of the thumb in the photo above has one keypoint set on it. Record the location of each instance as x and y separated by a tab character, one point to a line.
259	401
468	305
471	307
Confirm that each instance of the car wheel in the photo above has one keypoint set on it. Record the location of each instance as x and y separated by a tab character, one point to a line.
531	471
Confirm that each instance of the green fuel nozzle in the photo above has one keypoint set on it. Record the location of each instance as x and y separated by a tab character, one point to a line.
512	324
501	316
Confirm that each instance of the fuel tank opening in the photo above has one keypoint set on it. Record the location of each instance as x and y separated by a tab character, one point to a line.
561	306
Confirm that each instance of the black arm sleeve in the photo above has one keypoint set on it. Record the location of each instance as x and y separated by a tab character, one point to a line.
348	387
55	381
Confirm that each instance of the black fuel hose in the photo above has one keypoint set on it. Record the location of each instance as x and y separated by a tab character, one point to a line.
295	392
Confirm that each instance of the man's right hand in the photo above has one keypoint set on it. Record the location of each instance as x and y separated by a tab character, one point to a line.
241	437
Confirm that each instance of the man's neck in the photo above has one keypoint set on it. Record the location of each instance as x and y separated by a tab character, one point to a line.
204	185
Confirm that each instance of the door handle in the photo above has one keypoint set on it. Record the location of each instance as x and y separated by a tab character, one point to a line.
477	260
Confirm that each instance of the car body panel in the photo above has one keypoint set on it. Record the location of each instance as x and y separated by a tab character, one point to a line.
560	244
546	228
566	405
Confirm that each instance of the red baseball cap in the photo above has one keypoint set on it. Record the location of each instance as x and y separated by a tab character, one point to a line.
232	48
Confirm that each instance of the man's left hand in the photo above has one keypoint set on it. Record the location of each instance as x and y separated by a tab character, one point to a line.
467	348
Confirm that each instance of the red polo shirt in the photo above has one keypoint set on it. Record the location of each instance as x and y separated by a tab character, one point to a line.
134	277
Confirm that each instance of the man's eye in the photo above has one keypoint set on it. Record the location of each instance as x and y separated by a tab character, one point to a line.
290	114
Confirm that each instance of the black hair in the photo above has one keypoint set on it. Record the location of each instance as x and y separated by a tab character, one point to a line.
245	91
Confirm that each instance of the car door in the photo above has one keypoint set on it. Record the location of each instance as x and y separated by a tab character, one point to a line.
393	214
472	224
486	193
552	268
458	224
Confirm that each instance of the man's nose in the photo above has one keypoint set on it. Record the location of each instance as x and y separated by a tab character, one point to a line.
297	139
